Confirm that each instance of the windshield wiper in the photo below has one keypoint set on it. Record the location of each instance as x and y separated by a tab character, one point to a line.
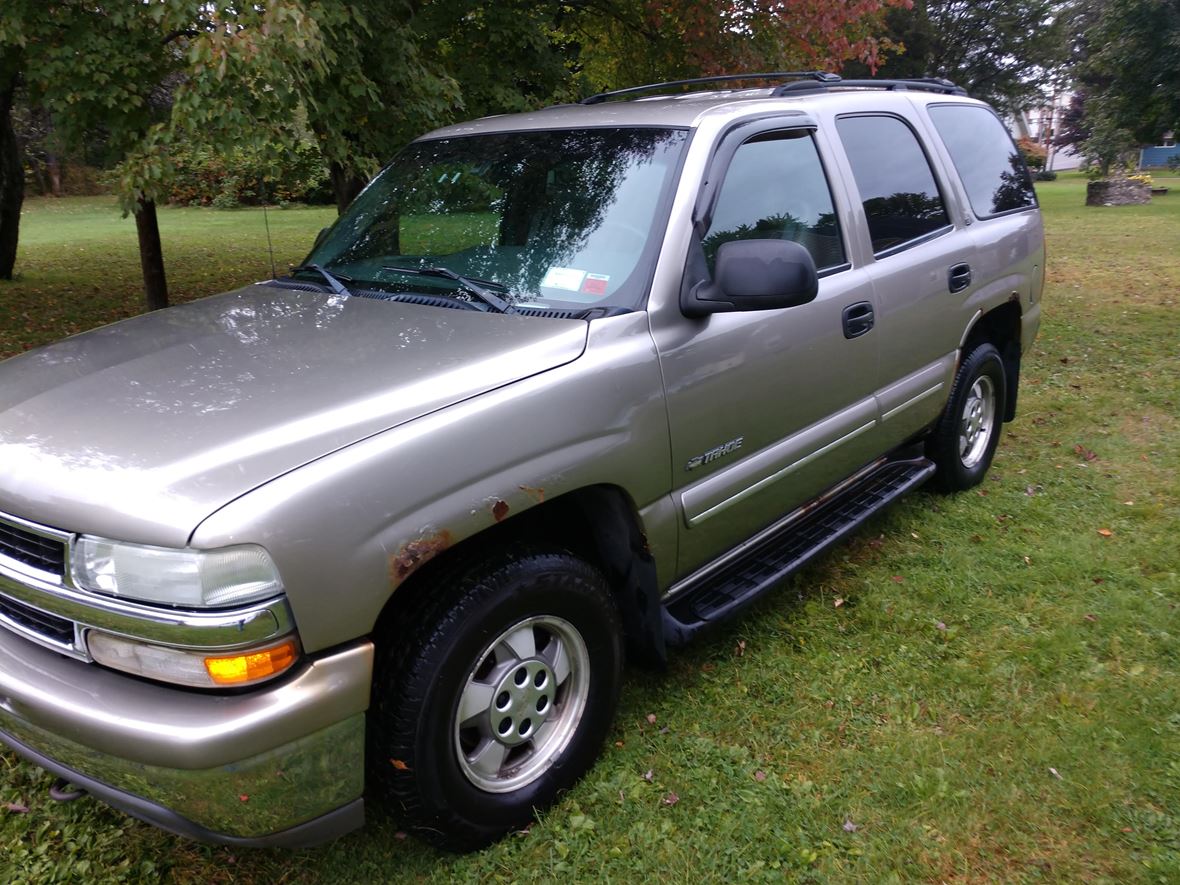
484	294
333	281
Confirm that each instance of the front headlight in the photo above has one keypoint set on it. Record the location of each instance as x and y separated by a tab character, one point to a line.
187	578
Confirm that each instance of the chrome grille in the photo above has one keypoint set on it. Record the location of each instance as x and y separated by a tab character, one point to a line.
30	548
40	623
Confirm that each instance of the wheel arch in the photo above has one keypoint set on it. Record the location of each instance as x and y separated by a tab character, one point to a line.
1000	327
597	523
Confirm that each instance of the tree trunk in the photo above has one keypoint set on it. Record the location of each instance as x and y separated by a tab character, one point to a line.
346	184
12	182
53	168
151	255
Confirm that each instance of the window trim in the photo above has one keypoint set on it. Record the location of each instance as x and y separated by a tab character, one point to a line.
717	172
922	238
1036	203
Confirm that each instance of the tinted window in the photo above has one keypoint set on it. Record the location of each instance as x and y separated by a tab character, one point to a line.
775	189
893	176
985	157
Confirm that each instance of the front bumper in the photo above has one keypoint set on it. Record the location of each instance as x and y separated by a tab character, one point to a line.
280	766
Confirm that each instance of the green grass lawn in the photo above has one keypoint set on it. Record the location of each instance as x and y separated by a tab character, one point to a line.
979	688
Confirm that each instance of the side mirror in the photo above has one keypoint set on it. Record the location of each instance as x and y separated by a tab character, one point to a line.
754	275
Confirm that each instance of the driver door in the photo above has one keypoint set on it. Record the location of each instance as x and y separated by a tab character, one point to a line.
767	408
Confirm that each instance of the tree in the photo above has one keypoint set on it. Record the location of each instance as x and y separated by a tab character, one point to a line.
152	74
12	178
1003	51
1132	66
624	42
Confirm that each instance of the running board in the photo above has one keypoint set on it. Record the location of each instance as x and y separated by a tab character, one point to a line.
815	528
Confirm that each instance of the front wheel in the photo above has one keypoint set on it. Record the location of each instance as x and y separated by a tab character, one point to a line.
965	438
496	698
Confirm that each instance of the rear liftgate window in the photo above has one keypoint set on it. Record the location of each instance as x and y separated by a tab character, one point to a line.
901	199
987	161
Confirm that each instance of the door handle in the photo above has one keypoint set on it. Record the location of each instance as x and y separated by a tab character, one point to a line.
959	277
858	319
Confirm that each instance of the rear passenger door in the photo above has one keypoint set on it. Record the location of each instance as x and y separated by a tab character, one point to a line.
915	251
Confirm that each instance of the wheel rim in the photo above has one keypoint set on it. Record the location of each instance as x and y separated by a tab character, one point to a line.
521	703
977	422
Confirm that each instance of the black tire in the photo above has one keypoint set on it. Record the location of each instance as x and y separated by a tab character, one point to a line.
419	756
964	440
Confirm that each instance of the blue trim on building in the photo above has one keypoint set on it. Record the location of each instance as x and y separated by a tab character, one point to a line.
1157	157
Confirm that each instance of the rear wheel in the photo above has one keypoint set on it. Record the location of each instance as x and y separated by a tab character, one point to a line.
965	439
496	698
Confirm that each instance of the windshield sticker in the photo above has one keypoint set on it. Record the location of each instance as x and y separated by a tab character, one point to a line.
595	283
564	278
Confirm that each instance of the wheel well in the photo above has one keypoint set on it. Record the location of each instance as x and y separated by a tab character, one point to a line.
598	524
1001	328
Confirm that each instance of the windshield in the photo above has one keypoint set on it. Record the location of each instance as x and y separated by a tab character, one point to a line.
548	219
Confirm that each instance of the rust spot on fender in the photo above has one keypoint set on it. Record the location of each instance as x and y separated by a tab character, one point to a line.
536	494
415	554
499	511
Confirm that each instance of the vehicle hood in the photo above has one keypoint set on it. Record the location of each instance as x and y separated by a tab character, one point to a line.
141	429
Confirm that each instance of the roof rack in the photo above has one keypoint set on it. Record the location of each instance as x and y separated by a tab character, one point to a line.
802	82
924	84
811	77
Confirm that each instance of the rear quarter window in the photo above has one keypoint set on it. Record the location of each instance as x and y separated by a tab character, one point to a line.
988	163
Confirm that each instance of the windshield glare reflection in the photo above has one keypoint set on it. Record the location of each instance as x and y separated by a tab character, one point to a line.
552	218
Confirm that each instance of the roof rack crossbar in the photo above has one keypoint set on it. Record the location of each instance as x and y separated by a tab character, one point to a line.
816	76
924	84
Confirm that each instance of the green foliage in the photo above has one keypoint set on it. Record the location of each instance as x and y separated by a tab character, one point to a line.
1006	52
248	176
1109	148
1133	63
1044	175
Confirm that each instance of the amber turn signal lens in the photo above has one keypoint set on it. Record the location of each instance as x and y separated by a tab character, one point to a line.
247	667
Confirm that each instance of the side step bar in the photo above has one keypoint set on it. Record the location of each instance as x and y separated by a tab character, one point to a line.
811	531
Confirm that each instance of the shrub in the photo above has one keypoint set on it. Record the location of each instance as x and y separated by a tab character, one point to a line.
1045	175
1174	163
249	177
1033	153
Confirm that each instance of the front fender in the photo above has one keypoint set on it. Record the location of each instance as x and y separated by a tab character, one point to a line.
349	528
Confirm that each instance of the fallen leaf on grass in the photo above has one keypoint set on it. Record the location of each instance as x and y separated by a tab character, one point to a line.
849	826
1106	533
897	579
1085	453
1027	560
1089	617
399	765
651	718
760	775
940	626
1053	771
670	799
17	808
740	648
400	834
649	776
837	602
243	798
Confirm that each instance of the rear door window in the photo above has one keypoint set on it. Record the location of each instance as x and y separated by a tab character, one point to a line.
987	161
901	198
